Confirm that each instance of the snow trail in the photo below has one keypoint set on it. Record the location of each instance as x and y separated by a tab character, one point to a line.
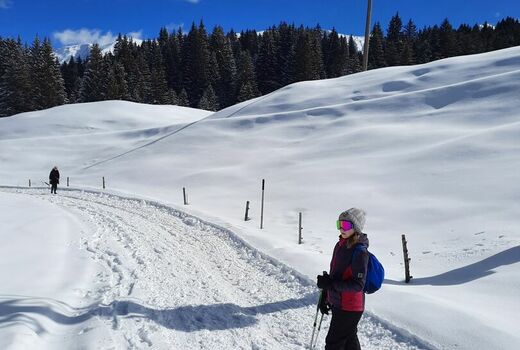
173	281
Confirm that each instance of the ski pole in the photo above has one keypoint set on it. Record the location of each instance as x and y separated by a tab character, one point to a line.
314	341
315	321
318	332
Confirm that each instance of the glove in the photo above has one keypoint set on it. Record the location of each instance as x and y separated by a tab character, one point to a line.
324	306
324	281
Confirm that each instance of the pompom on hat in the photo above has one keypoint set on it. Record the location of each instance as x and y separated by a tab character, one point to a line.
356	216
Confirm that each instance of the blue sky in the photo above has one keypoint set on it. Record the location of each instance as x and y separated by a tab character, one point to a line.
75	21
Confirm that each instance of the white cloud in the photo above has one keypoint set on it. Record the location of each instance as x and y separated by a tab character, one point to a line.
89	36
136	35
193	1
5	4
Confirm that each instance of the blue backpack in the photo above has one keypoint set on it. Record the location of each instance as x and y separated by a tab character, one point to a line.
375	273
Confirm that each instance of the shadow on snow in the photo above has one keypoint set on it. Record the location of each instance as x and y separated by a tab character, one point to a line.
183	318
468	273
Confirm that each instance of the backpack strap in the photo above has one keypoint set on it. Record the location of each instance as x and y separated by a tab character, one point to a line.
358	247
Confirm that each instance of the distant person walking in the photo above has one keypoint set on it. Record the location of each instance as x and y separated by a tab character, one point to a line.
54	179
343	287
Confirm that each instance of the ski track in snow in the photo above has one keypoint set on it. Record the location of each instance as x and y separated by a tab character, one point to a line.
173	281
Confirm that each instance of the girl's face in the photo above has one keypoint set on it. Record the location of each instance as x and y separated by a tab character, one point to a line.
346	234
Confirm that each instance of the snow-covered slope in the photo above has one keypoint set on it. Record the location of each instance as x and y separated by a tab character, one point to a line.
133	274
432	151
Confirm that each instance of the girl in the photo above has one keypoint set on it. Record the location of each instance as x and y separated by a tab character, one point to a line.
345	282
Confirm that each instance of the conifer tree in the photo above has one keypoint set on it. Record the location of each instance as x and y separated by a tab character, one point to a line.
376	57
246	78
435	43
94	84
250	41
208	101
304	62
423	50
409	39
354	60
448	42
266	65
117	88
159	85
316	55
15	79
213	71
124	54
71	79
235	44
171	57
46	81
352	46
195	63
183	99
173	98
507	33
467	40
47	76
247	92
226	67
335	54
143	92
285	53
393	43
487	37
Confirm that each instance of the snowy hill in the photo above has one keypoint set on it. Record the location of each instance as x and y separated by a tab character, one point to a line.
431	151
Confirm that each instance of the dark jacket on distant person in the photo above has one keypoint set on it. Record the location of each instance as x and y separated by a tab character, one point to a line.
54	177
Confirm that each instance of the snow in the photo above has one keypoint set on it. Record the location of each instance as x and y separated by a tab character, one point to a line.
430	151
358	39
44	271
162	285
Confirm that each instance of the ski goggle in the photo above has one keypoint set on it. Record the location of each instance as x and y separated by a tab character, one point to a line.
344	225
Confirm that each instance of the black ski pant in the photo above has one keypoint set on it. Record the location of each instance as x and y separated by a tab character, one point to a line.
54	187
343	330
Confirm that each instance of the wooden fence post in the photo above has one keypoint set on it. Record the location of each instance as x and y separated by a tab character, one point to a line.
184	195
67	181
300	228
103	182
262	210
29	182
407	276
246	217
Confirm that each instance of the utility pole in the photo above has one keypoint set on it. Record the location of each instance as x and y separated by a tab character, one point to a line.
367	36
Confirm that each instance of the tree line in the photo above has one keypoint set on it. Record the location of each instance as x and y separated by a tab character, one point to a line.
215	70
